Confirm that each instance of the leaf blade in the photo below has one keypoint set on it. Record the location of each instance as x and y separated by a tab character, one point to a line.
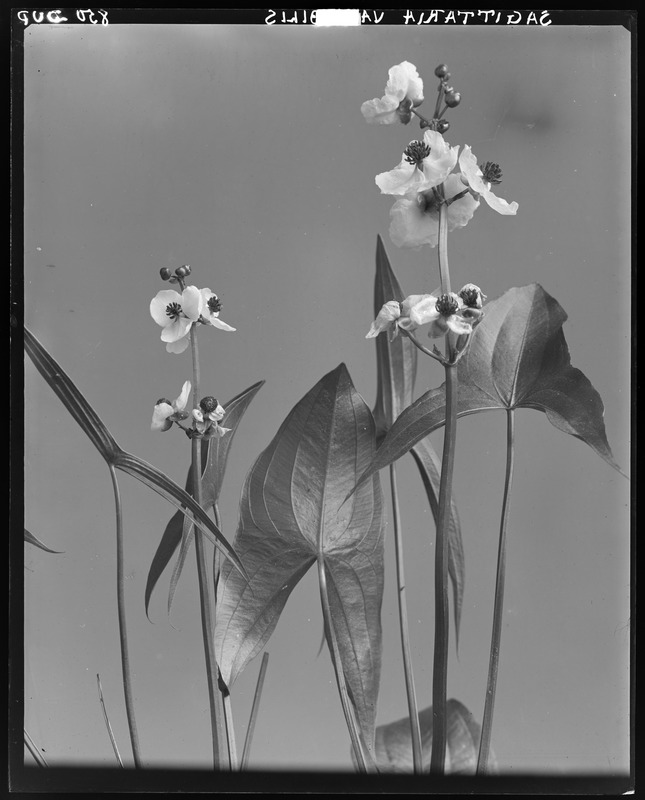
293	512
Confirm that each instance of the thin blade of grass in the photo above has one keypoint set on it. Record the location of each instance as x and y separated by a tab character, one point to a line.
31	746
107	722
255	708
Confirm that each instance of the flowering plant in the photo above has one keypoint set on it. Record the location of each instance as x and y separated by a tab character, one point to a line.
312	499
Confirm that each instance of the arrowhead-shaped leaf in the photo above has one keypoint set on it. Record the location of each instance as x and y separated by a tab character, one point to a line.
292	513
396	364
518	358
394	743
29	537
214	457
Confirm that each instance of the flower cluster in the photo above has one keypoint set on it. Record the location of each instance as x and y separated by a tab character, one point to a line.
459	313
177	313
425	179
206	418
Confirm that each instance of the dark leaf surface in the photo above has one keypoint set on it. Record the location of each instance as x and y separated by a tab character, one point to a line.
292	513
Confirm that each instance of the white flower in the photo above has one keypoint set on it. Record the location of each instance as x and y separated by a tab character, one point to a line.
480	181
211	309
441	312
414	219
403	90
423	165
165	412
176	313
208	416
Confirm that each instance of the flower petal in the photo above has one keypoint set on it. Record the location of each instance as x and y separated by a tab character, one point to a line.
459	324
160	417
410	227
404	81
218	323
499	204
388	314
422	310
160	302
470	170
192	302
381	111
182	400
179	346
177	329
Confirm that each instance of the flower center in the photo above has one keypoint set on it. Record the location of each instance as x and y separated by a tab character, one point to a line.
163	400
214	304
415	152
470	297
492	172
446	305
428	202
173	310
208	404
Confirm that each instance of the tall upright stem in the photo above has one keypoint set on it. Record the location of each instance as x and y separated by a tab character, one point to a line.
498	612
123	630
441	631
413	709
207	616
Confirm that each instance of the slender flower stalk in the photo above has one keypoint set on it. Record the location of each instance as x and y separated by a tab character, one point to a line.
207	616
413	708
255	708
363	758
441	634
123	632
498	610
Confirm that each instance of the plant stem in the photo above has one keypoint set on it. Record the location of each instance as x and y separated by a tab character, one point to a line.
254	711
362	758
230	731
441	628
413	709
123	632
498	612
207	616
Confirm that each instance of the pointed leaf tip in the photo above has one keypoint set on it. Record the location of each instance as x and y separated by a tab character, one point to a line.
291	513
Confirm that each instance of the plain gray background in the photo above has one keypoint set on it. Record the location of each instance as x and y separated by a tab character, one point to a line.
242	151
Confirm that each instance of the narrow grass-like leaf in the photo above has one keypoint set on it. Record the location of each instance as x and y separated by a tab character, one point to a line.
518	358
396	360
214	457
394	745
73	400
162	484
29	537
105	443
292	512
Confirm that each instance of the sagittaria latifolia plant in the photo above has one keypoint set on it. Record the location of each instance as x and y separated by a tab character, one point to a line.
313	498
